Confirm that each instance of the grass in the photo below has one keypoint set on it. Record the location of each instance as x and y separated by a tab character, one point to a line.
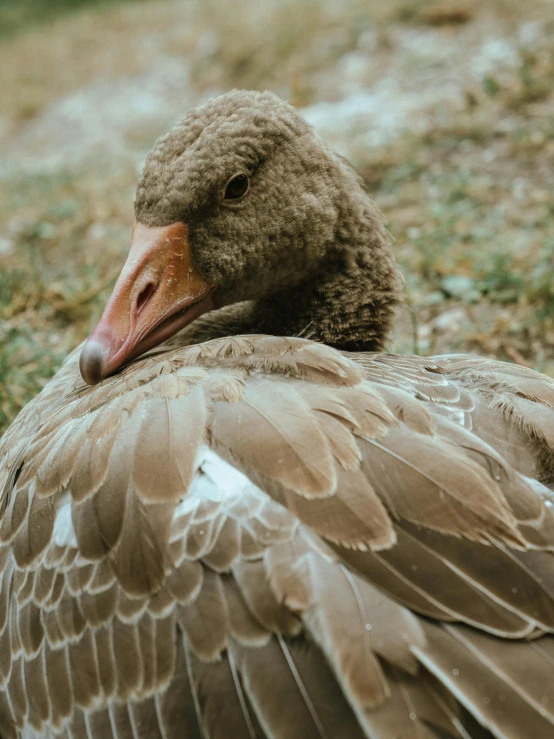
18	15
469	202
471	207
65	248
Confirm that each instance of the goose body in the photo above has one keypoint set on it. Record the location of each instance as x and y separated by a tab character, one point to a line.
250	534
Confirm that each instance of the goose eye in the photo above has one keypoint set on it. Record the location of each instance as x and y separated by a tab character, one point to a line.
236	187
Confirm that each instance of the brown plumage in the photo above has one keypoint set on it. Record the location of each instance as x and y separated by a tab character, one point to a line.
252	536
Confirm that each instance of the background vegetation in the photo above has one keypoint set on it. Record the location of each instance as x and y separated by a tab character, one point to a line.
446	108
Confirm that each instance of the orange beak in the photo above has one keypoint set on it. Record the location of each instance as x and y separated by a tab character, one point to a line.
158	292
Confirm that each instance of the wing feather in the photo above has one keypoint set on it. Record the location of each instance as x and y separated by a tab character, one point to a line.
167	445
273	423
223	530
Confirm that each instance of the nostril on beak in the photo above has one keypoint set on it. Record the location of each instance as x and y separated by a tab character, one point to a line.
144	296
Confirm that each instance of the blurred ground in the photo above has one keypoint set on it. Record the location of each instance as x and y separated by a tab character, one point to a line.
446	108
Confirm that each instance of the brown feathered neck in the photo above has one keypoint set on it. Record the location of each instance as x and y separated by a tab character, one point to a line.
307	249
348	304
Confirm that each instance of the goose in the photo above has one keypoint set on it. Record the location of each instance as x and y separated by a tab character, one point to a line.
233	515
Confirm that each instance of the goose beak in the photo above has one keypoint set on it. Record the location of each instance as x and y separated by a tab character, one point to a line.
158	292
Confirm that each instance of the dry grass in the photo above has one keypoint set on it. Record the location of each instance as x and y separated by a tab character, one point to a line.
469	201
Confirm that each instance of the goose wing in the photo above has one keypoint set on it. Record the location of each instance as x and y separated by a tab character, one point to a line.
260	537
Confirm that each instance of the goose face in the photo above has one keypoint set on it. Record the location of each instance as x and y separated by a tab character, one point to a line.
235	203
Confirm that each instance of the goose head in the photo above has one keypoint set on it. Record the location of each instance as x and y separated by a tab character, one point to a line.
240	201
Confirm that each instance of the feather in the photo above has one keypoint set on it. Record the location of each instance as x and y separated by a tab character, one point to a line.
59	684
146	633
17	694
360	410
31	630
428	482
175	705
56	466
105	659
22	589
37	692
225	548
14	515
57	591
272	423
352	623
78	578
482	691
98	609
160	603
170	433
98	518
127	659
120	721
416	709
221	705
523	500
34	536
288	567
5	654
245	628
411	412
93	464
70	619
250	547
14	641
129	610
354	517
25	594
316	708
525	667
102	577
184	582
43	585
123	517
441	586
535	419
84	671
506	580
201	535
144	719
140	559
269	535
253	583
205	619
340	440
316	362
52	629
164	649
96	723
5	589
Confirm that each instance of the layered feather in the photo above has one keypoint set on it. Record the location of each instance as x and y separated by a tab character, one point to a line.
261	537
